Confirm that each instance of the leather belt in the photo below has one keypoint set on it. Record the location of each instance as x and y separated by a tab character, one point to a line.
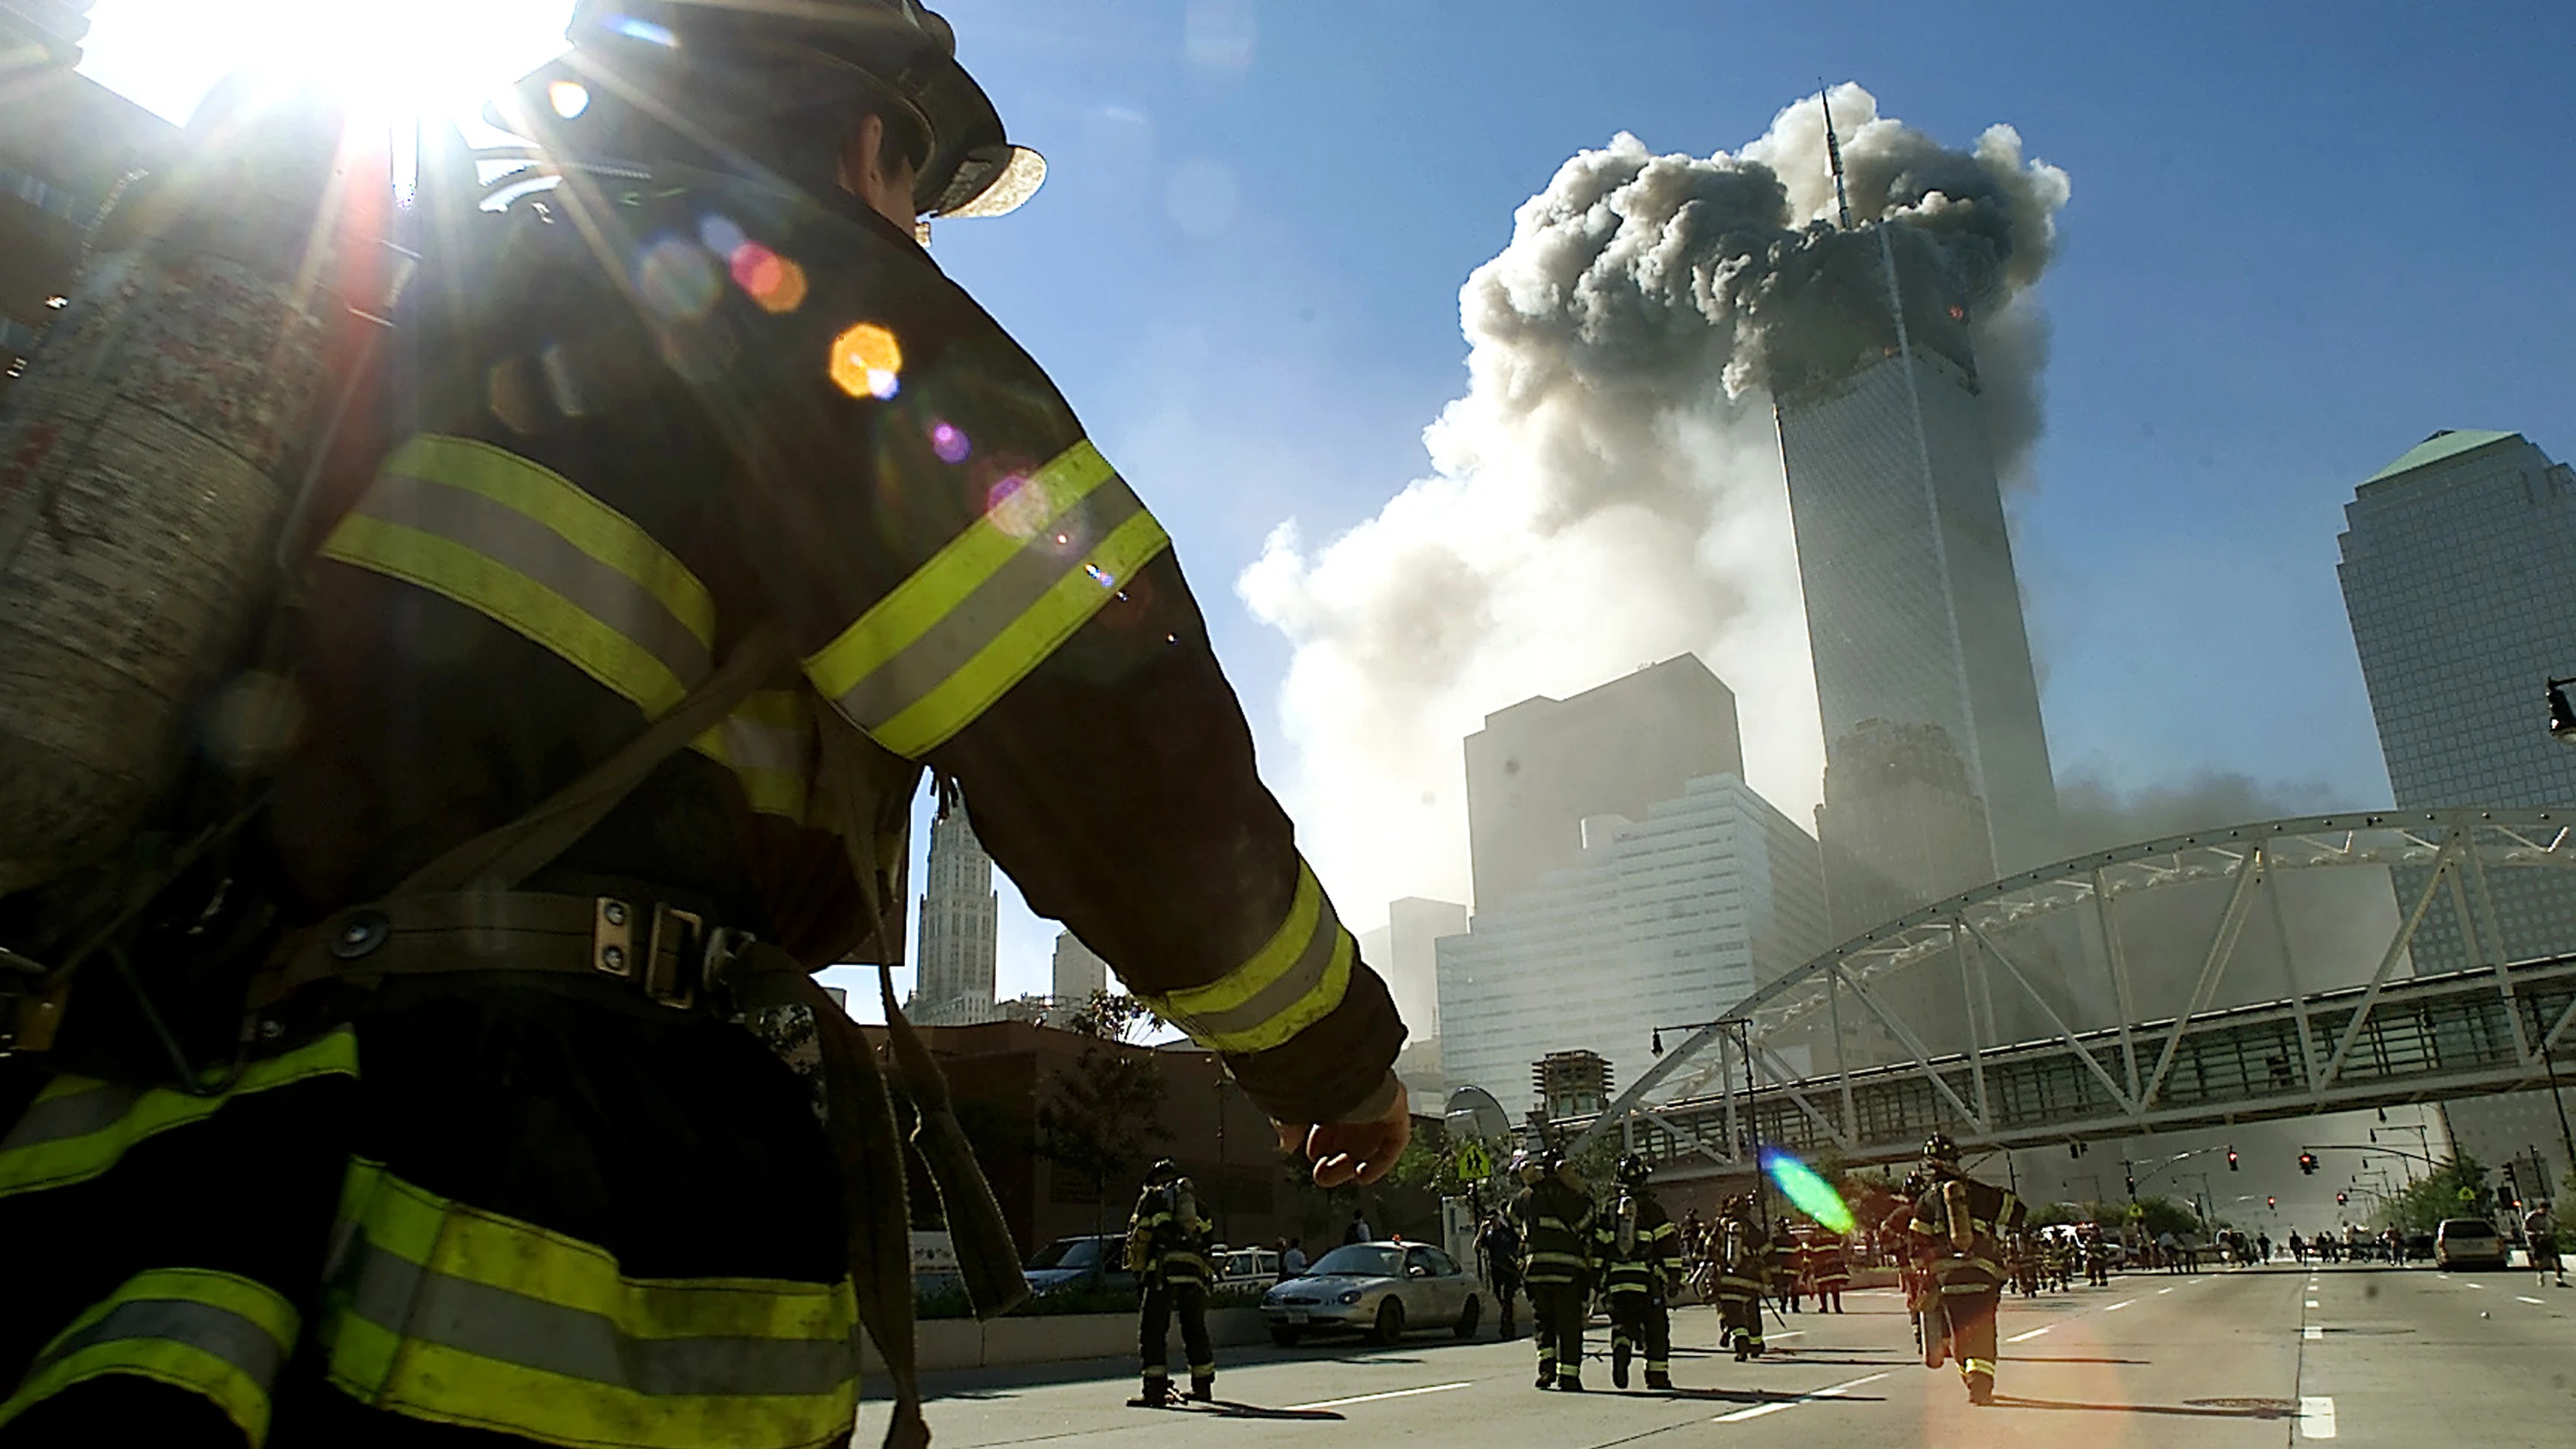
673	957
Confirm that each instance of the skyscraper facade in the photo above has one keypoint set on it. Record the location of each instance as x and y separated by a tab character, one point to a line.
1665	919
1078	972
1913	607
1538	768
960	917
2459	576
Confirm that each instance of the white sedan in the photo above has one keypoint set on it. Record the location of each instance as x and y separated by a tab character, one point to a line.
1380	1289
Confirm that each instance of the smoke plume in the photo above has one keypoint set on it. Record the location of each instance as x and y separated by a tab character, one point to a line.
1609	491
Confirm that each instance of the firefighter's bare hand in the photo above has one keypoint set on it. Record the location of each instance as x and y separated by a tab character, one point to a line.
1348	1152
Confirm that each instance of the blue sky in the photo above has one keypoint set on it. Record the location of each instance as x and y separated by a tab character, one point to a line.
2301	237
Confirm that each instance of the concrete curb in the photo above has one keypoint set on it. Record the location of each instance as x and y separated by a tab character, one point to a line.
943	1344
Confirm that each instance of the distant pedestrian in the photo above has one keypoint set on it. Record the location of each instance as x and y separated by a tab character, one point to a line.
2262	1247
1358	1231
1292	1259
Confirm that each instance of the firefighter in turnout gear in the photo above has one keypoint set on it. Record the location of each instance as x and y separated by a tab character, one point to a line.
695	514
1739	1262
1553	1213
1829	1270
1963	1225
1498	1249
1638	1247
1914	1271
1167	1251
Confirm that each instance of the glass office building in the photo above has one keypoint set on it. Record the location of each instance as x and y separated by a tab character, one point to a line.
2459	576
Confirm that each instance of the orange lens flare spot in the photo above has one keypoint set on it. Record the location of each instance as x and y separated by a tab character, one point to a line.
776	283
867	361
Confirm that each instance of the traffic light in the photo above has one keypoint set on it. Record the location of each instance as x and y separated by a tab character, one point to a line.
2231	1157
2342	1198
2133	1184
2273	1203
2307	1162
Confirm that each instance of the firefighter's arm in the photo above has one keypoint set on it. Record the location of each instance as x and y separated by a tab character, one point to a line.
976	588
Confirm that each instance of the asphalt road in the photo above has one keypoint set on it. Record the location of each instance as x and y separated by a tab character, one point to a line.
2222	1360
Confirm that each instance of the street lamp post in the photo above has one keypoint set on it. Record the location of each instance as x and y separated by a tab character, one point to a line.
1748	1137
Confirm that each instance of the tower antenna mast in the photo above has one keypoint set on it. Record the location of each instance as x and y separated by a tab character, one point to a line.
1834	154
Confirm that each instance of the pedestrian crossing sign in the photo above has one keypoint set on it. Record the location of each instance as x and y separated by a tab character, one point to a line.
1474	1162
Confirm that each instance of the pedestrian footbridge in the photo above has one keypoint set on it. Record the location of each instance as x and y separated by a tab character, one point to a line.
1975	1007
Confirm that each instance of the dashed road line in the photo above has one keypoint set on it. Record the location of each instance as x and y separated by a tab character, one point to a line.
2312	1333
2116	1307
2164	1290
2312	1303
2518	1298
1390	1394
2027	1337
2316	1417
1759	1410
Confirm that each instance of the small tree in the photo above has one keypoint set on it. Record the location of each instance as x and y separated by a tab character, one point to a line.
2457	1188
1099	1115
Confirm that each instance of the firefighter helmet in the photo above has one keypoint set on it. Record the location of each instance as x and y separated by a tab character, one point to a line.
1634	1170
1163	1171
1938	1148
743	66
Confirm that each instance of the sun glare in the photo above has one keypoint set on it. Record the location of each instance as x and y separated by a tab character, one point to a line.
407	59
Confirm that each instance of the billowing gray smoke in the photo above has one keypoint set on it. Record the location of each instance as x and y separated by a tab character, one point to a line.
1609	491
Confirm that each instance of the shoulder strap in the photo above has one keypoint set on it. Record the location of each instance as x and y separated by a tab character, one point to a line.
500	858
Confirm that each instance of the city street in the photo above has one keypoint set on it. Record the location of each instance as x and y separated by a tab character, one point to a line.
2369	1356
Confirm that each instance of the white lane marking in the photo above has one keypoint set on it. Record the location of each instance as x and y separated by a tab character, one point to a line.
2473	1285
1758	1410
1792	1333
2027	1337
2312	1333
2164	1290
2316	1417
2518	1298
2312	1303
2116	1307
1390	1394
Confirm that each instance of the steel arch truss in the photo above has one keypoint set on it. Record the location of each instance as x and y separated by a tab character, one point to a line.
2399	1038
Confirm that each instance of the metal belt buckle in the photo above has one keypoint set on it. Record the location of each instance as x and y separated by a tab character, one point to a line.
672	957
612	937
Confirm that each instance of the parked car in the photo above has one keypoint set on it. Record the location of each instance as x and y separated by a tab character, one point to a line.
1381	1289
2468	1243
1245	1265
1068	1262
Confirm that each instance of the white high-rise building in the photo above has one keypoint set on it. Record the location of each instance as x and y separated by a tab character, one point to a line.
1078	972
1669	918
1539	767
1405	952
960	916
2458	561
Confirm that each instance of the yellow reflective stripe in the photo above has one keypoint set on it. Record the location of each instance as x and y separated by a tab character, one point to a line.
510	598
928	659
1067	605
441	1311
209	1333
957	570
79	1127
1292	982
565	507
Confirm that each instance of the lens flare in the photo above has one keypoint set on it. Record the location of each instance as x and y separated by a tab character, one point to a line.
1807	1191
867	361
